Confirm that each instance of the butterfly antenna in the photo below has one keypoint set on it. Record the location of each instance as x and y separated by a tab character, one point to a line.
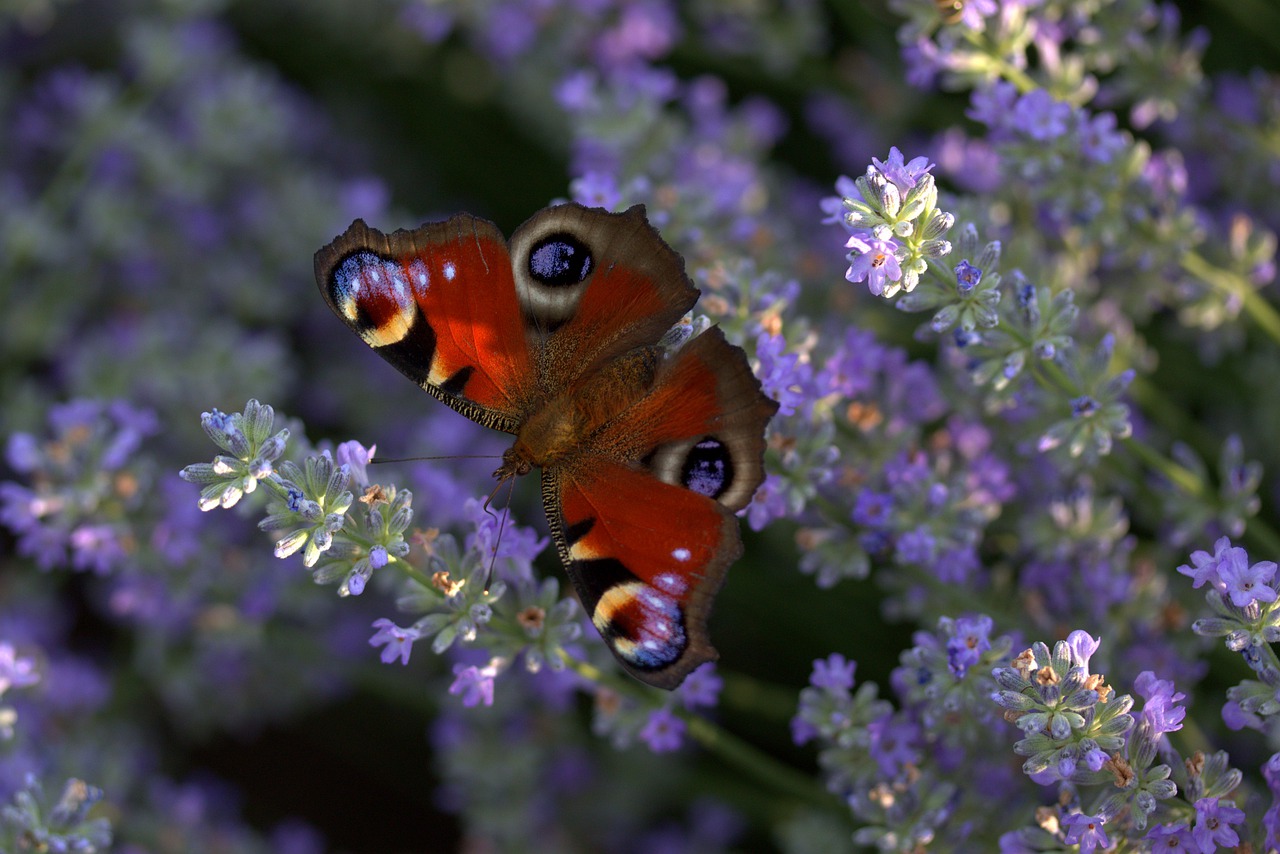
502	526
445	457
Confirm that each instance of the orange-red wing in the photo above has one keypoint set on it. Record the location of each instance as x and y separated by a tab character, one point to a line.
595	285
646	559
643	515
440	304
701	426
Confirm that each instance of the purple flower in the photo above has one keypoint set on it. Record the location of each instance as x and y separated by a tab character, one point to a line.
802	731
356	457
970	638
474	684
1082	646
875	262
782	375
833	673
1204	566
1213	824
596	190
1165	174
1271	818
23	453
1160	709
1095	757
1085	831
508	539
1172	839
924	60
894	740
576	92
15	672
663	732
97	548
994	107
967	276
701	687
1099	140
769	503
23	512
904	175
973	13
1041	116
873	509
913	393
854	366
399	642
644	31
918	547
1271	773
1237	718
1244	583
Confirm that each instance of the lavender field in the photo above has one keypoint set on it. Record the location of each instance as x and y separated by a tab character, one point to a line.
1009	584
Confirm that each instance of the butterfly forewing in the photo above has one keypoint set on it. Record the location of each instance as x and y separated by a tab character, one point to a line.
439	303
594	286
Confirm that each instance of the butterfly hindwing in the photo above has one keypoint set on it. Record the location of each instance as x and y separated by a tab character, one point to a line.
440	304
645	558
643	516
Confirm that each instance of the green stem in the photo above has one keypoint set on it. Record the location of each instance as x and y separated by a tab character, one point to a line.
733	750
1182	477
410	571
1234	285
769	771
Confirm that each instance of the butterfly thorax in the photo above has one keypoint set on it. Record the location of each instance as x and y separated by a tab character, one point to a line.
558	429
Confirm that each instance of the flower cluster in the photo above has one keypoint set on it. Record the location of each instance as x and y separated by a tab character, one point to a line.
896	228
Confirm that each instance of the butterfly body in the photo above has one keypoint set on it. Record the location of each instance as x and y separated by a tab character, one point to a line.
554	337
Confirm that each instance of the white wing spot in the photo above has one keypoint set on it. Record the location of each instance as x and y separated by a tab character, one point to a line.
669	582
419	271
450	270
682	555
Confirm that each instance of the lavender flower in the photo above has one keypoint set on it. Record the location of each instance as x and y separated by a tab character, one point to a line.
396	642
63	825
664	732
84	483
474	684
1061	707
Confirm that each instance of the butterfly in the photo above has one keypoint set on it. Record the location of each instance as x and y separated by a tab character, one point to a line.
556	337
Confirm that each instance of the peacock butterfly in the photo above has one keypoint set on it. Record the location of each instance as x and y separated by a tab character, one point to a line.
556	337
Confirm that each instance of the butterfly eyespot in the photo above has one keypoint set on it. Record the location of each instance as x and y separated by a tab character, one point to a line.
559	260
708	468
